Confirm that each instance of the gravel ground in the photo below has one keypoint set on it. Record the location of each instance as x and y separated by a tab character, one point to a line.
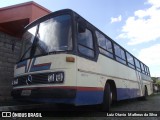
151	104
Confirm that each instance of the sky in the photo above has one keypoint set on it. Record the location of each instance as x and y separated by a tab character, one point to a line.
134	24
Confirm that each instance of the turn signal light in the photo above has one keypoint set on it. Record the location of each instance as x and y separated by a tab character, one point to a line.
70	59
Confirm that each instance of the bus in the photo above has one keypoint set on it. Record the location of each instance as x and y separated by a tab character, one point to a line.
66	59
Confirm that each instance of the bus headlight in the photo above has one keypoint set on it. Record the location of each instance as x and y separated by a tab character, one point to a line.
57	77
51	78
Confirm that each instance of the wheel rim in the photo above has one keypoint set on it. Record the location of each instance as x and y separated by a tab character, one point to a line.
111	96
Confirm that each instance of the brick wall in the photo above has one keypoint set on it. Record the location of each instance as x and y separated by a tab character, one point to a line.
8	57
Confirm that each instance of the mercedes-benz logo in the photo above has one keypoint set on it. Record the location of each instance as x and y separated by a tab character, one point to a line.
29	79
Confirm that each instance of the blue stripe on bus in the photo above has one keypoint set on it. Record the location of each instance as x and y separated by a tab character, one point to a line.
93	97
22	64
82	98
39	67
127	93
96	97
89	97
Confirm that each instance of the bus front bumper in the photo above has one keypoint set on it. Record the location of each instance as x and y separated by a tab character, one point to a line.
44	93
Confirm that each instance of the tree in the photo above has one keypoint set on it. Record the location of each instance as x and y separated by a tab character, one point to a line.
158	82
154	79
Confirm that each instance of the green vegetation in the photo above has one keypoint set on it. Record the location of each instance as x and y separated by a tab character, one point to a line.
155	80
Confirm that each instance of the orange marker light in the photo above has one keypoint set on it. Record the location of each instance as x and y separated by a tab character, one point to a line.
70	59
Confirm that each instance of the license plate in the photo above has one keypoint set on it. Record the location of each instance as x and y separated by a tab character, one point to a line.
26	93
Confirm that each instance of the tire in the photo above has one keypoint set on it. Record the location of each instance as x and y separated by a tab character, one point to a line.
107	98
145	94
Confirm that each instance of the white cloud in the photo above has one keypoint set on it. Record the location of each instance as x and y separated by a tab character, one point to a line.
118	19
151	57
156	3
144	26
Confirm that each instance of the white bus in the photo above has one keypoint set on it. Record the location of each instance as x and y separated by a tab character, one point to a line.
65	59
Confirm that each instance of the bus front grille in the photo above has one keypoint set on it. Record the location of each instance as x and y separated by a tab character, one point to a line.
32	79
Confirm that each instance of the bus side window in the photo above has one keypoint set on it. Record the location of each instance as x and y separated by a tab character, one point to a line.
137	65
120	54
130	60
105	45
142	68
146	70
85	41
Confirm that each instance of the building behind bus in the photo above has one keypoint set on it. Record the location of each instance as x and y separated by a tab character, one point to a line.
12	22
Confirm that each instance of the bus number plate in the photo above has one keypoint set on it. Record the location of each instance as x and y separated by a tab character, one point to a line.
26	93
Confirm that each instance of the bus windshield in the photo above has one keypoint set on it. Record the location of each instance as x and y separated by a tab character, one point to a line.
52	35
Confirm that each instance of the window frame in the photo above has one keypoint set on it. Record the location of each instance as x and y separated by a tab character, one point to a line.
120	57
142	68
49	16
100	48
93	40
129	63
97	47
138	68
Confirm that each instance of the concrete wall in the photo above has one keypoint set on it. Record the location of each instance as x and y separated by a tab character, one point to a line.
8	58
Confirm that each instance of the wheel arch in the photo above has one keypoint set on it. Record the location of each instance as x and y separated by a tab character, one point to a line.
113	88
145	88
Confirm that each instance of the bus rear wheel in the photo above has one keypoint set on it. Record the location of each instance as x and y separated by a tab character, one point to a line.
107	98
145	94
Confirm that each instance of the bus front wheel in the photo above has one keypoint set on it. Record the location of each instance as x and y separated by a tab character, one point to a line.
107	98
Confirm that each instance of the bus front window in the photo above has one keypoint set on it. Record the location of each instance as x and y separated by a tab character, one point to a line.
52	35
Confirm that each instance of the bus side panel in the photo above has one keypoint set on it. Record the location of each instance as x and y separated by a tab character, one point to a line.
95	74
146	80
124	77
89	88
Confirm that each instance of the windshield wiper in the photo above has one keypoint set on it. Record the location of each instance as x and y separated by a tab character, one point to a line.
25	53
35	41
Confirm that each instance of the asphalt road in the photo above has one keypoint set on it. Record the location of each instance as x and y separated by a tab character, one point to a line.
152	105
